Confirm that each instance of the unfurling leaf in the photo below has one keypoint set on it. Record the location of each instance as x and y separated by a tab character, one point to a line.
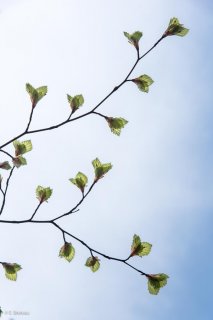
139	248
116	124
100	168
175	29
5	165
134	38
22	147
43	194
143	82
156	281
75	102
80	181
11	270
93	263
67	252
19	161
36	94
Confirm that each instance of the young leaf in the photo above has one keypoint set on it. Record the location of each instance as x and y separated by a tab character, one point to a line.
80	181
143	82
175	28
134	38
67	251
36	94
116	124
19	161
100	168
43	194
139	248
5	165
93	263
156	281
11	270
22	147
75	102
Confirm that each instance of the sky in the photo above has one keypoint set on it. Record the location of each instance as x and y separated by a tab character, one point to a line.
160	186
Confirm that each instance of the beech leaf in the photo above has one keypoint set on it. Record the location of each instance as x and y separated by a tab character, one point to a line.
143	82
93	263
43	194
11	270
116	124
100	168
175	28
80	181
67	252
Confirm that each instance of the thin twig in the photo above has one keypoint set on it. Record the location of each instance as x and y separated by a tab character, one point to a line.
7	153
77	205
6	189
34	213
87	113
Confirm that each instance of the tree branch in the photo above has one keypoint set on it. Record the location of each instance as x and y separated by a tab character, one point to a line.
6	189
27	131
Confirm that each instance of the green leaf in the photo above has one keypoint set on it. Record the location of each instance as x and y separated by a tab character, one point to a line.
19	161
175	28
5	165
11	270
1	311
22	147
67	251
143	82
75	102
36	94
139	248
116	124
134	38
80	181
100	168
156	281
93	263
43	194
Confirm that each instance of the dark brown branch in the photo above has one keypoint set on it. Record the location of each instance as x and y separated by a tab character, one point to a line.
6	188
30	119
77	205
27	131
7	153
34	213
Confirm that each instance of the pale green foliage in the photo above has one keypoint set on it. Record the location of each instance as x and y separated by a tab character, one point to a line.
75	102
116	124
43	194
36	94
67	252
5	165
175	28
11	270
22	147
143	82
19	161
156	281
139	248
80	181
100	168
93	263
134	38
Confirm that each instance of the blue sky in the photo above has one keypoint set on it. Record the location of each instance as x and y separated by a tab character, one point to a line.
161	183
